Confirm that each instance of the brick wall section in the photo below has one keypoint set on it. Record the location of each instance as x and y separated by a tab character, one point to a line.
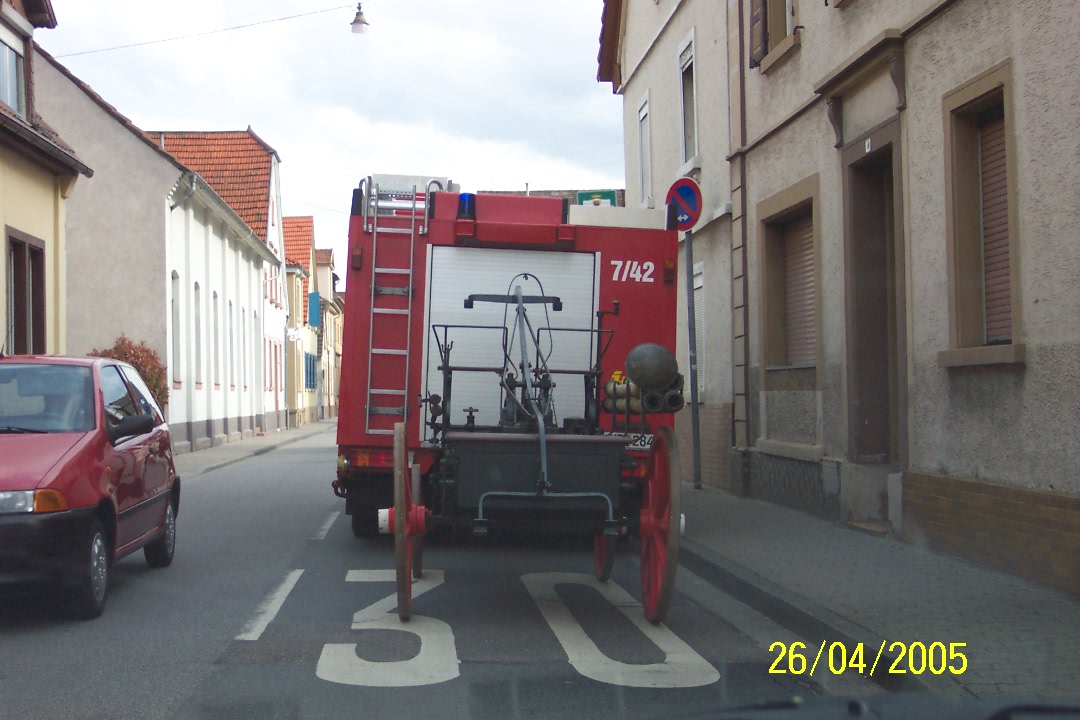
715	432
1031	533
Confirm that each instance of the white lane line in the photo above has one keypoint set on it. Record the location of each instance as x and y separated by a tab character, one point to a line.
268	608
321	535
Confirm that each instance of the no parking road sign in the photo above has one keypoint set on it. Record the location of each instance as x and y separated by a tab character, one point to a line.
686	195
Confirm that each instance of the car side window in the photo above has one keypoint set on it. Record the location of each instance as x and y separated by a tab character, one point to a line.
143	396
119	402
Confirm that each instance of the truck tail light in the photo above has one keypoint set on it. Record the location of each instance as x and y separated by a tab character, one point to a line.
373	458
669	271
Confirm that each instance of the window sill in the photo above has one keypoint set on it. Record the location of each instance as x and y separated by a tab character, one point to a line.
1014	354
690	167
784	49
792	450
843	3
793	366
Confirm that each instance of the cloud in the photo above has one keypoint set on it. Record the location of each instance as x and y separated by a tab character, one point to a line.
493	94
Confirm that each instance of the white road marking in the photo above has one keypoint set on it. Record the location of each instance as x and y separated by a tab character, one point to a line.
329	523
268	608
436	662
682	667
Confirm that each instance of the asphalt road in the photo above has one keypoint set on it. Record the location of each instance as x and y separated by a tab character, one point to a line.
272	609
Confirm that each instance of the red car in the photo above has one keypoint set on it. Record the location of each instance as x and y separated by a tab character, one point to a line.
86	475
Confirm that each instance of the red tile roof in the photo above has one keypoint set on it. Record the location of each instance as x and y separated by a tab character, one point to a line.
235	163
324	256
299	240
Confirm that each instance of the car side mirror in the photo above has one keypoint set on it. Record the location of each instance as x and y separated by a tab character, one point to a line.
131	425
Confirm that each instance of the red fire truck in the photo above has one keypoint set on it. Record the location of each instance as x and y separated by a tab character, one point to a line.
508	360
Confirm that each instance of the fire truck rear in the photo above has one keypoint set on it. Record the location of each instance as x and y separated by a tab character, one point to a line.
508	359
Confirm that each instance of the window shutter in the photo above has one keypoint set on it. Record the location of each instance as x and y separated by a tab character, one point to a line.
759	32
800	324
997	293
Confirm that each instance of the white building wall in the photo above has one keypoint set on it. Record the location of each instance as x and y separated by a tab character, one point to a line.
274	317
212	403
658	40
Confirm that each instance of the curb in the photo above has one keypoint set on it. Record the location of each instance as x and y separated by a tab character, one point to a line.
804	617
259	451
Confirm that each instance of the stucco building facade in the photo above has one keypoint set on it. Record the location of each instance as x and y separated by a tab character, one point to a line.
38	171
231	276
331	319
302	348
902	311
190	284
667	60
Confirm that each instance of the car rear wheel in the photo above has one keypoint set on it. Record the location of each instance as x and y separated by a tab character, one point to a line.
92	587
159	553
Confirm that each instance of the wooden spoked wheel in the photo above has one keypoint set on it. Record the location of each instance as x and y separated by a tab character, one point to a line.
402	541
660	526
603	556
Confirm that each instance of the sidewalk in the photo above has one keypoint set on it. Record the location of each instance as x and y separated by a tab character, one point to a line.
826	581
192	464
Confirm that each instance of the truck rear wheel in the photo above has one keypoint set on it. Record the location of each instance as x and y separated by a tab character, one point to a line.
365	521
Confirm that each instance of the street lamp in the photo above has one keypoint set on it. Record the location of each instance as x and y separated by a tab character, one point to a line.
359	23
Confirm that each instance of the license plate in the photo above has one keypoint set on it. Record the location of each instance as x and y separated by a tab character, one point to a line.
638	441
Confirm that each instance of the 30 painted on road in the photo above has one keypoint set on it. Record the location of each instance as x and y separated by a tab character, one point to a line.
438	660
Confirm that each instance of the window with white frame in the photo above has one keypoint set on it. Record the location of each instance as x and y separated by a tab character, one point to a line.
175	330
12	72
644	151
689	102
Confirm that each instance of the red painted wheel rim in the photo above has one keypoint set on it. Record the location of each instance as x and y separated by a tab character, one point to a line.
654	525
658	529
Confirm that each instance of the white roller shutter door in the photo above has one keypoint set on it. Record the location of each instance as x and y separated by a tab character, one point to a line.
454	273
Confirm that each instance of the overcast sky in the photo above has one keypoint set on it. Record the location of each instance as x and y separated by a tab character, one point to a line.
491	93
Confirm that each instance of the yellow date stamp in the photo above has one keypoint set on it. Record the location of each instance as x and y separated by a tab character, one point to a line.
894	658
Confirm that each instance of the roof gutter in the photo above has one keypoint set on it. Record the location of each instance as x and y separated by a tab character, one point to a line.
32	138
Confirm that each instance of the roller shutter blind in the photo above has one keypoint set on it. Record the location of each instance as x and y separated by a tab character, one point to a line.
759	33
800	322
456	272
997	293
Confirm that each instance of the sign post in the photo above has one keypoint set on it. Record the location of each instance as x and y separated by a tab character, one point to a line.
686	195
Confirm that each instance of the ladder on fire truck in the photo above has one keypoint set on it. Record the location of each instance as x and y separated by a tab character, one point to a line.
389	267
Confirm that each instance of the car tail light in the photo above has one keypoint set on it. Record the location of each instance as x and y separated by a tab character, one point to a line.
47	501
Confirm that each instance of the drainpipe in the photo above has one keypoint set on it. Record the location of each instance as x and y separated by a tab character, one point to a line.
740	427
